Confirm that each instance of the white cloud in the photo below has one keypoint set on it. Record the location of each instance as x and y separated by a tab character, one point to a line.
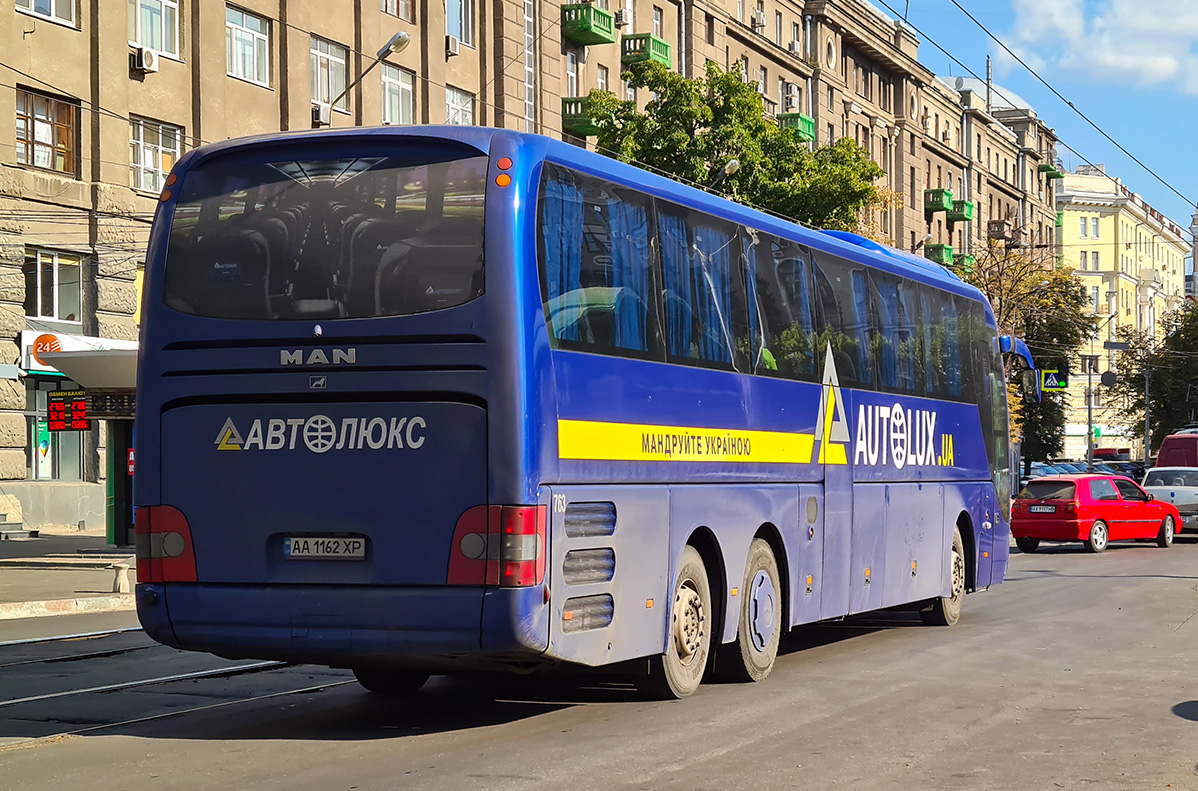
1136	42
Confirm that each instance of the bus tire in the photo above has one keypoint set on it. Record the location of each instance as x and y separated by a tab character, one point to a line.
751	656
946	610
390	681
677	673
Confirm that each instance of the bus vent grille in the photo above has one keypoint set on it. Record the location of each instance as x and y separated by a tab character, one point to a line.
589	520
583	566
584	613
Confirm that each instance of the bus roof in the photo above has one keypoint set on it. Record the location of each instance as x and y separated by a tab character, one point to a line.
847	245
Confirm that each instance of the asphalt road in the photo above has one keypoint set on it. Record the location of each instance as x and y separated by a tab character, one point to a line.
1076	673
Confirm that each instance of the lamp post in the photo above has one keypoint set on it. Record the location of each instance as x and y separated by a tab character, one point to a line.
730	168
396	43
921	243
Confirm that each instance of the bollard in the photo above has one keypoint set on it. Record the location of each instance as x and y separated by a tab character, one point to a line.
120	583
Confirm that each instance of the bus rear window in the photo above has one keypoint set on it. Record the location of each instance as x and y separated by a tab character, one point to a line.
350	237
1048	490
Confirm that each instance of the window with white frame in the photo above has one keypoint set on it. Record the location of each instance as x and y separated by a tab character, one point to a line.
154	149
154	24
55	10
328	73
399	95
459	107
796	35
1094	297
47	132
1084	231
658	21
399	8
247	46
1093	227
1094	260
571	73
778	28
601	78
52	285
459	20
1083	257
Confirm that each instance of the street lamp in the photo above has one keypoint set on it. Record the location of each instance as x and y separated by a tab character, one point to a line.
730	168
922	242
397	43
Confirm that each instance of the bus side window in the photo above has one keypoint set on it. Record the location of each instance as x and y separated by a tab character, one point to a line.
950	348
594	248
706	311
843	331
783	279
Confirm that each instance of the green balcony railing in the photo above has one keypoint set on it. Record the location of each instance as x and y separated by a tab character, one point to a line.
940	253
964	263
1055	174
1060	219
637	47
576	116
1047	167
803	125
937	200
962	211
587	23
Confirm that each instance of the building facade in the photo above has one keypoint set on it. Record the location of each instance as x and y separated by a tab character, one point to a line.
1131	260
105	96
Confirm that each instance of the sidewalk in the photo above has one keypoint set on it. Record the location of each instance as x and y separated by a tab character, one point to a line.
60	573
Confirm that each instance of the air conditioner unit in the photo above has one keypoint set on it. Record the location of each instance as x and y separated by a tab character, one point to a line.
998	230
452	46
321	115
759	20
145	60
946	136
794	48
622	18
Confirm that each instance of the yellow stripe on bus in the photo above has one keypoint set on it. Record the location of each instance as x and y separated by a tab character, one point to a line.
583	439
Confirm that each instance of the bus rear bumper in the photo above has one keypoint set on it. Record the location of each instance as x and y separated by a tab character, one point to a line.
342	625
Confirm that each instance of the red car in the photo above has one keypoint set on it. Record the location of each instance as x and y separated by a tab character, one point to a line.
1095	509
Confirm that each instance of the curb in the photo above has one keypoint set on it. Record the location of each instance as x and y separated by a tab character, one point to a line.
116	602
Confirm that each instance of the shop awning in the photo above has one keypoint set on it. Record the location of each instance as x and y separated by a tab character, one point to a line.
98	368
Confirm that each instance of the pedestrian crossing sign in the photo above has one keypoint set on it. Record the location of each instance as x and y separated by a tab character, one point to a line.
1054	380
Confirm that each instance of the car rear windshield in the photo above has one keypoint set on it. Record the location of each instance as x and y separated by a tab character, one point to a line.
354	236
1171	478
1048	490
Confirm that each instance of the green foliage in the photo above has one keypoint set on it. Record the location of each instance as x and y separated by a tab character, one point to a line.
694	127
1173	363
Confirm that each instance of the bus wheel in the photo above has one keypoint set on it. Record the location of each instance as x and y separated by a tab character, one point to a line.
946	610
751	657
390	681
677	672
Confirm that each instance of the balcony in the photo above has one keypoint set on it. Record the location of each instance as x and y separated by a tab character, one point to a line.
964	263
1060	219
576	116
961	211
641	47
1047	167
940	253
586	23
1054	174
803	125
937	200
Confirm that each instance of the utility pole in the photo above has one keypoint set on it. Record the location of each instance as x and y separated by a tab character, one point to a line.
1147	415
1090	412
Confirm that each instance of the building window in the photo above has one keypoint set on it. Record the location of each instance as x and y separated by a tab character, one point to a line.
740	11
601	78
459	107
1093	300
459	20
1094	260
328	73
763	79
399	8
50	455
710	29
47	132
657	21
1084	227
912	181
55	10
571	73
247	46
154	150
1093	227
154	24
1083	257
399	95
831	97
52	289
831	133
778	28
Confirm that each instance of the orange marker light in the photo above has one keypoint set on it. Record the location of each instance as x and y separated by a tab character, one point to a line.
568	615
503	180
165	196
171	179
648	604
504	163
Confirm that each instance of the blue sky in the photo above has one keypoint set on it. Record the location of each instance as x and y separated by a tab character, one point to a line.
1130	65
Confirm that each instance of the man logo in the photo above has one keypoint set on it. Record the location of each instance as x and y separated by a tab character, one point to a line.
318	357
229	438
831	427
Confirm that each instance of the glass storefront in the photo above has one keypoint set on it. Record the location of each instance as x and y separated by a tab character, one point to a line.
51	455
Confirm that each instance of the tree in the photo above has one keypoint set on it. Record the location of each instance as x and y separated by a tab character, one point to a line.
694	127
1048	308
1172	364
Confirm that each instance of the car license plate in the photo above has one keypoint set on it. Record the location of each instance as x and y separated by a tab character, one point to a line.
324	548
1043	509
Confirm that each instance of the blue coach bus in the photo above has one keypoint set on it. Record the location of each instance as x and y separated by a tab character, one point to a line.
428	400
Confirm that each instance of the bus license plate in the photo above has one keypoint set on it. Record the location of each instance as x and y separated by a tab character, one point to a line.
318	548
1043	509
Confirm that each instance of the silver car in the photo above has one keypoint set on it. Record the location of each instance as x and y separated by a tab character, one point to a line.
1179	486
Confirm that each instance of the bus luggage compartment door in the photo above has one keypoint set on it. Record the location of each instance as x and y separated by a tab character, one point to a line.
265	487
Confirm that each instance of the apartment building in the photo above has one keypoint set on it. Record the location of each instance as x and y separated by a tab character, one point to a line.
107	95
1131	259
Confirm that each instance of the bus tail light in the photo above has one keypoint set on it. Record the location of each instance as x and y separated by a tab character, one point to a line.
165	551
521	561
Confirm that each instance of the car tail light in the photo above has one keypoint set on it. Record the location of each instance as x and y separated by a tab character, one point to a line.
165	552
1071	507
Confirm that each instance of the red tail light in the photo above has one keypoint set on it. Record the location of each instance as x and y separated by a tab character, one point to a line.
1071	507
164	548
500	545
